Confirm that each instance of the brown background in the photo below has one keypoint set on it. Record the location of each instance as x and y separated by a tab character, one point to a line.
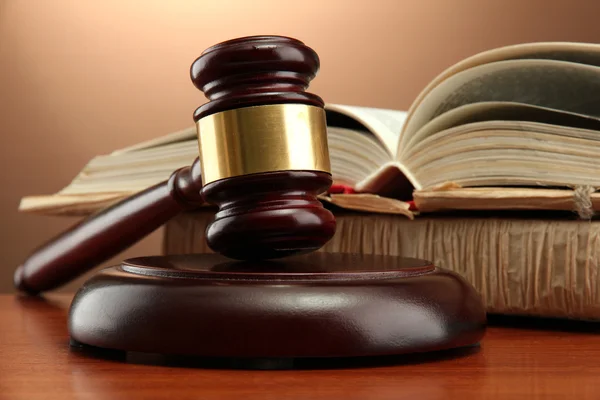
79	78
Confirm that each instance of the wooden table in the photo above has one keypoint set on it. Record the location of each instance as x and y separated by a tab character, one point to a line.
517	359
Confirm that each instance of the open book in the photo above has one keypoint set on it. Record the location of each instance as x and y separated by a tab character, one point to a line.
514	127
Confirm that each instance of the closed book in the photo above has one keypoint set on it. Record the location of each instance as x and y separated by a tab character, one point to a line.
537	265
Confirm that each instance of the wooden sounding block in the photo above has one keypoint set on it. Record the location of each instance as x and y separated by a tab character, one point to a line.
314	305
263	159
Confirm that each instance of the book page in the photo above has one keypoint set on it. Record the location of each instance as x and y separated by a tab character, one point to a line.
500	136
514	153
545	83
584	53
385	124
497	111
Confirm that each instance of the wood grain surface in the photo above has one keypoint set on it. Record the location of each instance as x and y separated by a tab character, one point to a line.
518	358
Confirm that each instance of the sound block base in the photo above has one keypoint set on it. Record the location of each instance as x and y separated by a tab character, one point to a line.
268	313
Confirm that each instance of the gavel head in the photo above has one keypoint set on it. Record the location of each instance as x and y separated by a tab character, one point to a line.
263	148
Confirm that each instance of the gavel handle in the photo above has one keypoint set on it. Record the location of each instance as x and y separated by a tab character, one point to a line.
112	230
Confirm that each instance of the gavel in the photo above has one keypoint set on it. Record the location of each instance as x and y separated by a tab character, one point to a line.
263	159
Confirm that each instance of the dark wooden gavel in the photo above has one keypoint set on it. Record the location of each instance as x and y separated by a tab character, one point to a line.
263	159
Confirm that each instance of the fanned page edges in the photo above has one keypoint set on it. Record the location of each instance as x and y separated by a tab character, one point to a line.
583	53
501	153
559	85
495	111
